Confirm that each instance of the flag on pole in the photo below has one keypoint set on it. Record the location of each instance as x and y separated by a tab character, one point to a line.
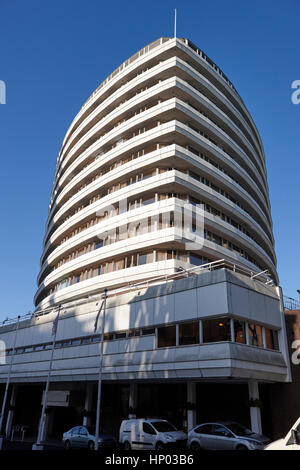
54	327
97	317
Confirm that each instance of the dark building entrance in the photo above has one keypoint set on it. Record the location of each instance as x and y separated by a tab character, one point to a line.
214	402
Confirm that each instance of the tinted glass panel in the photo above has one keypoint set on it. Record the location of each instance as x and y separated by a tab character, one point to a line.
239	429
275	340
108	336
86	340
271	339
206	429
220	430
120	335
163	426
196	260
148	429
298	432
148	331
255	335
145	258
75	342
216	330
166	336
83	431
239	332
148	201
189	333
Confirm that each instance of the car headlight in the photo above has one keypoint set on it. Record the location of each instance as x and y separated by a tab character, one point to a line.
170	438
254	444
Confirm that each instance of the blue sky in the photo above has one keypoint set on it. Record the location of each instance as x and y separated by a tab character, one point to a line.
54	54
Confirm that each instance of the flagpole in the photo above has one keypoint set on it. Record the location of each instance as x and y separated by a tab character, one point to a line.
7	383
100	373
175	23
37	445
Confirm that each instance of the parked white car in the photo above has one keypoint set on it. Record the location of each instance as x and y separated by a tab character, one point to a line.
290	442
150	434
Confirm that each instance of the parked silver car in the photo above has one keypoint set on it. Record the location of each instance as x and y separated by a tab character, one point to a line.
225	436
82	436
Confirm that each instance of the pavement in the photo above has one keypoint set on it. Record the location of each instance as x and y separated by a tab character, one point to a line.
27	445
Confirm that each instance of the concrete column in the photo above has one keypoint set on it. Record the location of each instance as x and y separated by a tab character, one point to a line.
177	334
247	333
132	398
254	410
88	403
191	398
10	414
201	331
232	330
264	337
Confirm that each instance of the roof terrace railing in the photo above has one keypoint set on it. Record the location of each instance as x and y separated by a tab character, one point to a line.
209	61
290	304
151	46
127	62
157	280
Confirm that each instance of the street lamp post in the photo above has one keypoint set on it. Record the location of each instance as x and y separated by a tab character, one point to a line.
100	374
37	445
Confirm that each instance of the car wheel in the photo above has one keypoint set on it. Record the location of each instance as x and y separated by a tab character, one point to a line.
67	445
241	448
91	445
126	446
159	446
195	447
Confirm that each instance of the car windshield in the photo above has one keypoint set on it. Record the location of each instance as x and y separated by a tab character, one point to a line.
163	426
239	429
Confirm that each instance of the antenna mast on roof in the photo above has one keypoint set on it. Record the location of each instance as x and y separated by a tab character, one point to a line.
175	21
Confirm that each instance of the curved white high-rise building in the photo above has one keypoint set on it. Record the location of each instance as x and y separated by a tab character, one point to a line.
160	195
164	130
